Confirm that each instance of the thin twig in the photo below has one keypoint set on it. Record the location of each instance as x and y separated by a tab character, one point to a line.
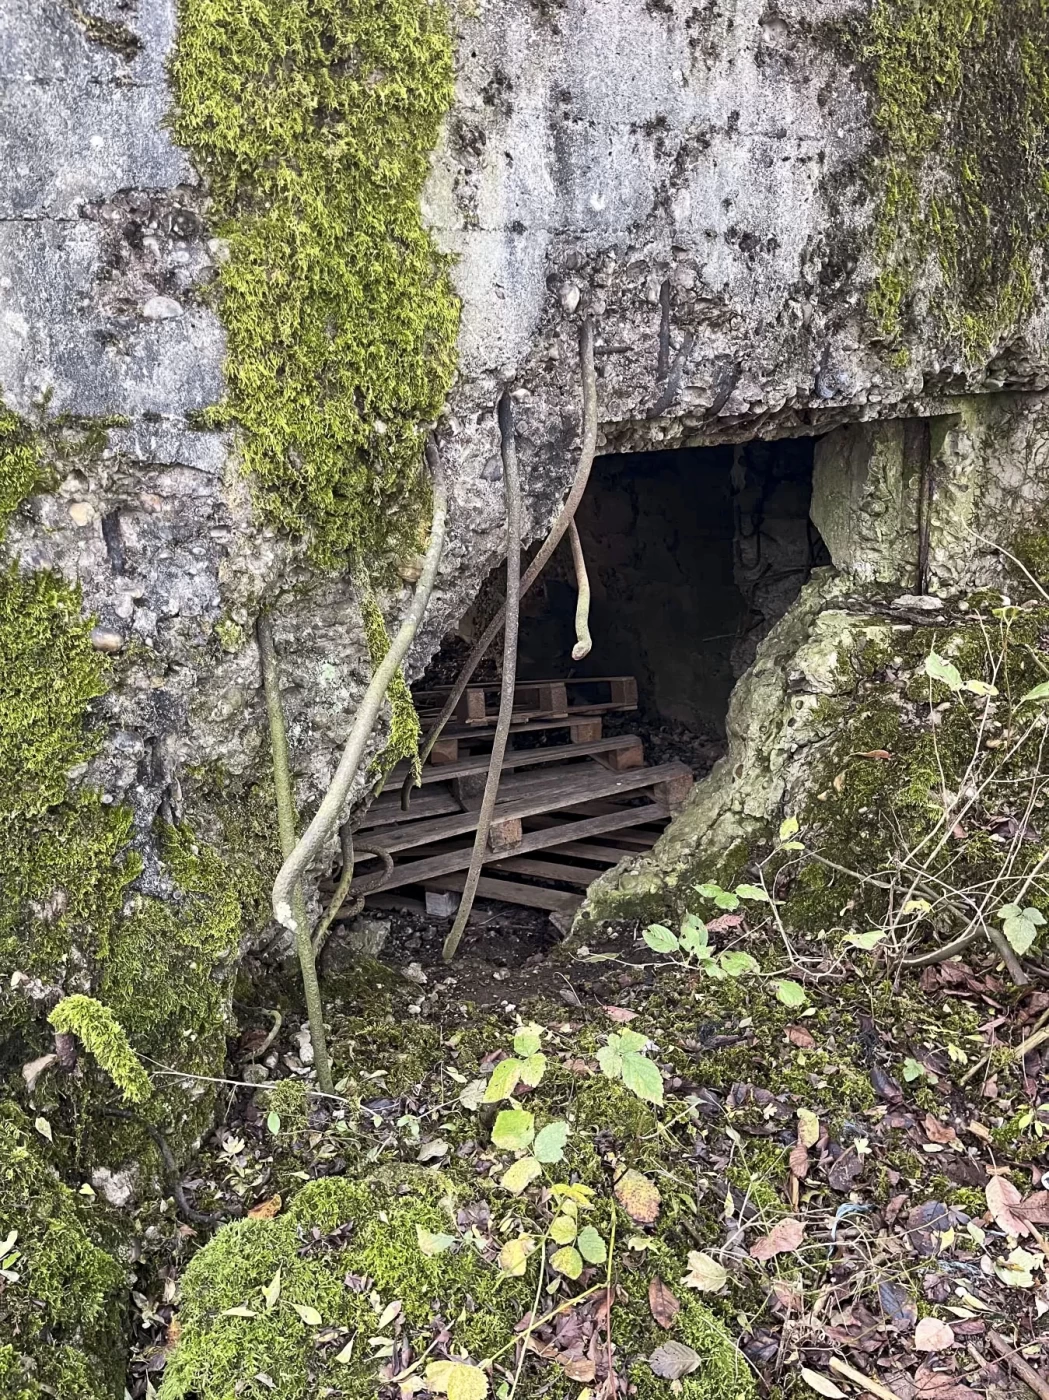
535	568
1015	1362
287	825
509	682
584	642
271	1035
331	808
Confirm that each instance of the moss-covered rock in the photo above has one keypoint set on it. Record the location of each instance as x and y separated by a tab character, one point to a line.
894	776
61	1300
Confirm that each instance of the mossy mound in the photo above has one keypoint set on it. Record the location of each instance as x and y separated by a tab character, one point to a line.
61	1300
344	1253
335	1230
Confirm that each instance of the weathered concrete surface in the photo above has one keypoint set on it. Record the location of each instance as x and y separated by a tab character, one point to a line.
686	174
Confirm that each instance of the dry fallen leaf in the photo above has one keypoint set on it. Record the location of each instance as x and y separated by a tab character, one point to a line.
799	1162
638	1196
936	1131
662	1303
673	1360
619	1014
1002	1196
808	1128
801	1038
705	1274
266	1210
822	1385
786	1235
933	1335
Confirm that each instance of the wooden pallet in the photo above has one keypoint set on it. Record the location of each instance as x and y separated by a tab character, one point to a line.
538	811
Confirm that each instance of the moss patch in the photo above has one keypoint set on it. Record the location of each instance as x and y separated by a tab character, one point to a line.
366	1229
312	121
61	1318
961	99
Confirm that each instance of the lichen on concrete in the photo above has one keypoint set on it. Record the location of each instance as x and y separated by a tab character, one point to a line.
313	124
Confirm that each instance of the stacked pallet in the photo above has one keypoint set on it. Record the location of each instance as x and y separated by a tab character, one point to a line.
572	801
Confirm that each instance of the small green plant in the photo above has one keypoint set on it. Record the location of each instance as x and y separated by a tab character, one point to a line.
694	942
102	1035
1020	926
623	1057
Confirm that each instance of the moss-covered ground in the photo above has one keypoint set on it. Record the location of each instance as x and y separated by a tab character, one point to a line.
382	1218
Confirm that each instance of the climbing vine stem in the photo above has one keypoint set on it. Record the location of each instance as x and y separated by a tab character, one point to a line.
328	814
582	608
286	825
512	481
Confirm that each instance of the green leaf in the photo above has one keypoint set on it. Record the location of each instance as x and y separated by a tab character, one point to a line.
549	1145
513	1257
504	1081
694	937
642	1077
520	1174
563	1229
310	1316
660	939
591	1246
514	1129
568	1261
433	1242
752	892
273	1123
1021	927
788	828
980	688
1040	692
709	891
238	1312
630	1040
726	900
940	670
610	1059
271	1291
456	1379
912	1070
790	993
533	1069
737	963
528	1040
865	941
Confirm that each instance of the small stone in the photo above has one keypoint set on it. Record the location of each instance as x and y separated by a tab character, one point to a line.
255	1074
570	297
81	513
161	309
918	602
105	639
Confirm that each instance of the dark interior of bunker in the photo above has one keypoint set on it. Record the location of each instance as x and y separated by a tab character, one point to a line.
692	556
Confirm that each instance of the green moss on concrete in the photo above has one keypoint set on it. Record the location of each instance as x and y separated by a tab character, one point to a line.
20	469
312	122
405	726
102	1035
961	99
61	1319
